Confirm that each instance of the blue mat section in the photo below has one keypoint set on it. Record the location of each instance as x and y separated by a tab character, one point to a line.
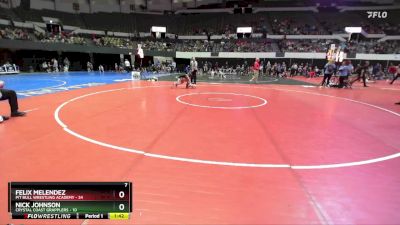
33	84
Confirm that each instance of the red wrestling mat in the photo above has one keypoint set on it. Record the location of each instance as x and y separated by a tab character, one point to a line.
234	154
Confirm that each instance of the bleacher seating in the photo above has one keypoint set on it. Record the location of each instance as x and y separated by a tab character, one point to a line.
283	23
217	23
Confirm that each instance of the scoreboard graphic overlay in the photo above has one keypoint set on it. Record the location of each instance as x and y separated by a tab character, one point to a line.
70	200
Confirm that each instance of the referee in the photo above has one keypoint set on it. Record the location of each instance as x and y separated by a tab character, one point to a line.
193	68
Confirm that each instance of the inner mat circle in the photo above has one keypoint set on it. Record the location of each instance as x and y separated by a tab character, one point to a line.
221	100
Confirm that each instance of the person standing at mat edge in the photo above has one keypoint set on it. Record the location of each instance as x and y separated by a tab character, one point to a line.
362	73
256	70
11	96
193	68
329	69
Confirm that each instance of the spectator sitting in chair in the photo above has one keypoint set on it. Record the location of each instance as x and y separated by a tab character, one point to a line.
11	96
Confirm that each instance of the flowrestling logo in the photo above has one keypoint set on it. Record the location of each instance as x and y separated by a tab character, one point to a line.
377	14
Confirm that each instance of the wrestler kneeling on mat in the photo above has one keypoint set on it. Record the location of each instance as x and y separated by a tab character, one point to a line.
182	79
11	96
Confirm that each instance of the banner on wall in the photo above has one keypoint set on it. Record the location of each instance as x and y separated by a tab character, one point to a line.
9	69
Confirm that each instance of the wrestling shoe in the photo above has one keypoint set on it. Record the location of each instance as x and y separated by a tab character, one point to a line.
18	113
